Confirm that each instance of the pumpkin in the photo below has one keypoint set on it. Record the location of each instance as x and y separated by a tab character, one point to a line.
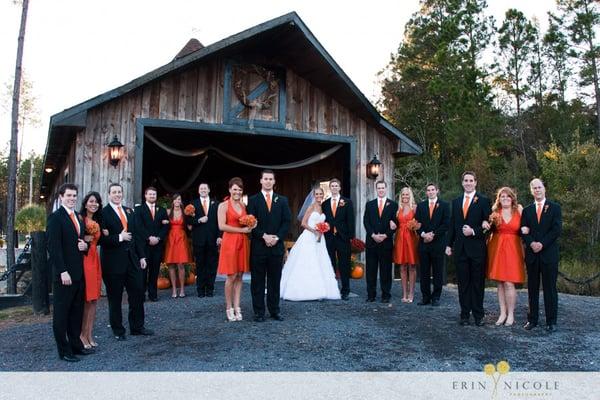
357	271
191	279
163	283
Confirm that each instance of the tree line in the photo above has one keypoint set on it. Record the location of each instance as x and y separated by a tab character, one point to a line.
508	100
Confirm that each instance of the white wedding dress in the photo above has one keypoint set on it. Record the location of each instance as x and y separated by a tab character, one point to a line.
307	273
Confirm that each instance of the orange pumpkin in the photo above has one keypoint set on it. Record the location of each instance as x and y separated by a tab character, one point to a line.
163	283
191	279
358	271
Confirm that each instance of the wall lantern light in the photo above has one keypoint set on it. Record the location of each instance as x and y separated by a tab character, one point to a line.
114	151
373	168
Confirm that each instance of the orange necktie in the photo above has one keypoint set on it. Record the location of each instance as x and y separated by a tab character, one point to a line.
75	223
333	207
151	212
122	218
431	207
268	195
380	207
539	211
204	207
466	207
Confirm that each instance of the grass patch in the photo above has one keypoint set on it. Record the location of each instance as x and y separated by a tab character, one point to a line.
581	272
16	313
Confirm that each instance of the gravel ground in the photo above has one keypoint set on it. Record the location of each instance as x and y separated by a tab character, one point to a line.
192	334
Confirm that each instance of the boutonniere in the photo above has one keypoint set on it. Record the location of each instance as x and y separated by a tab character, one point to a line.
275	199
437	205
546	208
387	203
80	219
342	203
128	211
213	202
475	199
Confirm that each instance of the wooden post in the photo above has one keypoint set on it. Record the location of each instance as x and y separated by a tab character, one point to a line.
39	274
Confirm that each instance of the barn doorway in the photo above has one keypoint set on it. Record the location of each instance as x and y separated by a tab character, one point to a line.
177	160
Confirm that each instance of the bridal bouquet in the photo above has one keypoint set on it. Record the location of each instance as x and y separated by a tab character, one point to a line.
248	220
322	227
189	210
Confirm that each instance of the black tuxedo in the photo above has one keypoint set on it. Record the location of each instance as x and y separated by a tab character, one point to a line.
431	255
379	255
65	256
470	253
204	241
148	226
267	261
342	230
121	269
547	232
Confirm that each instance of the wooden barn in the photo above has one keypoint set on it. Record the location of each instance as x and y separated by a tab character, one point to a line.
270	96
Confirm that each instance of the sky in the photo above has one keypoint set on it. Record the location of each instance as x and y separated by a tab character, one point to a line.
77	49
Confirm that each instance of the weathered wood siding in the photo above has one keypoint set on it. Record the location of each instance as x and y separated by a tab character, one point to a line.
196	94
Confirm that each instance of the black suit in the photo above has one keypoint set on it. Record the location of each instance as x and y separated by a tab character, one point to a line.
65	256
204	240
342	229
431	255
148	226
545	262
379	255
121	269
267	261
470	253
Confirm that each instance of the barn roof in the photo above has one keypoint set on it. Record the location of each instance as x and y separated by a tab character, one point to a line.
286	39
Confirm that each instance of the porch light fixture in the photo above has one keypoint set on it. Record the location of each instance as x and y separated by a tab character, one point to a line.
373	168
114	151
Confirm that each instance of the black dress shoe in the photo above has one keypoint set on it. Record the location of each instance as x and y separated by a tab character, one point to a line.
259	318
210	294
423	302
529	326
345	296
370	299
479	322
435	303
154	299
201	294
277	317
120	337
386	300
143	332
69	358
84	351
464	322
550	328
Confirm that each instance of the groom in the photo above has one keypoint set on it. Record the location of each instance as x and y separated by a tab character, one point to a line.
339	214
266	257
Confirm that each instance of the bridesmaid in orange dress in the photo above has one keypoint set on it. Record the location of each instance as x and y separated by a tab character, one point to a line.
405	244
505	252
92	273
234	257
177	251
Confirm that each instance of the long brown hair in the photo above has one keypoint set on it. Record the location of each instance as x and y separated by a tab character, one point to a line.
510	193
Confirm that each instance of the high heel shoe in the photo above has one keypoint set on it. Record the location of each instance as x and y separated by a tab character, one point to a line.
501	321
230	315
238	313
509	322
93	344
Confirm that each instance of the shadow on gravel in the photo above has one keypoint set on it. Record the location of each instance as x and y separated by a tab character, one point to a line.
192	334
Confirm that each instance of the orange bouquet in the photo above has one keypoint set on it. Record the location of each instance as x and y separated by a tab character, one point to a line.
322	227
413	225
91	227
189	210
248	220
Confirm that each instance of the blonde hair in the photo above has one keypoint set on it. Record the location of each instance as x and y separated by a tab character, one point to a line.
411	197
510	193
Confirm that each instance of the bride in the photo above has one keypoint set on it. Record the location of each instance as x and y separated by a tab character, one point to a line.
307	273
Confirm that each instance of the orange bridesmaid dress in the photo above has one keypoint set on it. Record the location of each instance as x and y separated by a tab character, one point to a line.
234	256
177	249
406	241
92	273
505	261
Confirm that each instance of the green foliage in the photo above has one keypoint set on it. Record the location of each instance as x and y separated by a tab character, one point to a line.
31	218
572	178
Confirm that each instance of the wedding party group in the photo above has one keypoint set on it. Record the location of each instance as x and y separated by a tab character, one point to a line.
501	241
